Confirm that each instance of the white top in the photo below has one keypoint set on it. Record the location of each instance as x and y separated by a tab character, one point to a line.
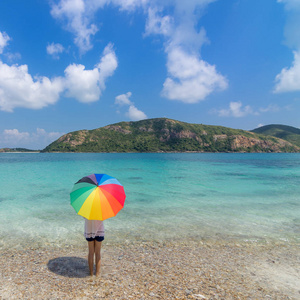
93	228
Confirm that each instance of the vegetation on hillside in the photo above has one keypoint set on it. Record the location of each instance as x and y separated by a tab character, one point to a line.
166	135
288	133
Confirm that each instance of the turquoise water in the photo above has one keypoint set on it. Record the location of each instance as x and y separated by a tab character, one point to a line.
218	197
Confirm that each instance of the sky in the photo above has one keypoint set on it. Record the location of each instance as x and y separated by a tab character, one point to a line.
67	65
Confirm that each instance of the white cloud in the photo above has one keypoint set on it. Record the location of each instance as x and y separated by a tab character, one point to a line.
19	89
86	85
12	138
107	65
191	79
55	49
179	33
123	99
82	84
236	110
156	24
15	135
133	113
77	16
288	80
4	38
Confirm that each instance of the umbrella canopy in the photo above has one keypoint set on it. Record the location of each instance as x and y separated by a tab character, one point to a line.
97	197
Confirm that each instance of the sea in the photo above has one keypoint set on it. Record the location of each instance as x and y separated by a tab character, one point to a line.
217	197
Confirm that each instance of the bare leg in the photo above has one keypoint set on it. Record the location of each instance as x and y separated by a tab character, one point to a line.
98	257
91	256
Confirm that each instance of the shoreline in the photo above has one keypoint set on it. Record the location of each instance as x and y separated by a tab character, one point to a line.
153	270
156	152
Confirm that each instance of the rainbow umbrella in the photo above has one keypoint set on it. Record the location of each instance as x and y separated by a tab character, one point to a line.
97	197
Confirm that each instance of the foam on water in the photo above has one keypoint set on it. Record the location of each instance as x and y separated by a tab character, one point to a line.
245	197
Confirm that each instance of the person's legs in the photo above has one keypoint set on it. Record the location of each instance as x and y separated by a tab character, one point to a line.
91	256
98	256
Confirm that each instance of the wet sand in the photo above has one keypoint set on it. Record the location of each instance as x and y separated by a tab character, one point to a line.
151	270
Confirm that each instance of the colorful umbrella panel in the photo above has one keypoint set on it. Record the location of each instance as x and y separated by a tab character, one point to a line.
97	197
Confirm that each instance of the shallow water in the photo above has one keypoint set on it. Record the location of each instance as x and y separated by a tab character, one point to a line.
240	197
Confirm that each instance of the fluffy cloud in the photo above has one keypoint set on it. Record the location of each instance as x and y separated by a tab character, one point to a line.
288	80
123	99
86	85
4	38
82	84
55	49
181	39
14	138
76	16
133	113
157	24
236	110
191	79
107	65
15	135
19	89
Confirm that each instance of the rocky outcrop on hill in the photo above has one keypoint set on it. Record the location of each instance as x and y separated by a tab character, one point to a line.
240	142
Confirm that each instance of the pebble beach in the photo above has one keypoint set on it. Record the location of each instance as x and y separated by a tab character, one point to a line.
168	270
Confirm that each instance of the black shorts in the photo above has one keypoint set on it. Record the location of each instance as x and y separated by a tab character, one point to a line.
97	238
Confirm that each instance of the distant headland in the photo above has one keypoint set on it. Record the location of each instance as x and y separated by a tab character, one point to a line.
167	135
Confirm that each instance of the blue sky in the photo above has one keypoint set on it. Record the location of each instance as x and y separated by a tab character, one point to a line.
67	65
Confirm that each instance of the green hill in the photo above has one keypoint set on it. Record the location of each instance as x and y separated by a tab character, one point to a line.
166	135
288	133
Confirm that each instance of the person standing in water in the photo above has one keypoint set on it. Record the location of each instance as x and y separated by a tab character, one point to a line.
94	234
